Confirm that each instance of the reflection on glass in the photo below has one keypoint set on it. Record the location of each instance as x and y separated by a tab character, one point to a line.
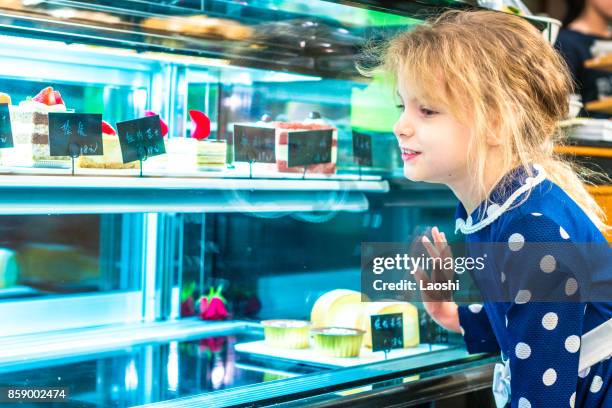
131	376
114	102
54	255
173	367
117	379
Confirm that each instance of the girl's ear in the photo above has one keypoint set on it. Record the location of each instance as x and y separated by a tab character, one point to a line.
494	139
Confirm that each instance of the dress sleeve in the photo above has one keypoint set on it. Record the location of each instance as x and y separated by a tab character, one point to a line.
543	336
476	329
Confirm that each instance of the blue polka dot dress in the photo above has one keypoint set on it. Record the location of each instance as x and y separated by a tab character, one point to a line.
540	340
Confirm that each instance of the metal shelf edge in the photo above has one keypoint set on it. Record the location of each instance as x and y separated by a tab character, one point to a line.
107	201
254	184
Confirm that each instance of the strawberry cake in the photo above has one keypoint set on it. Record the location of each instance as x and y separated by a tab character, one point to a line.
282	150
282	130
30	123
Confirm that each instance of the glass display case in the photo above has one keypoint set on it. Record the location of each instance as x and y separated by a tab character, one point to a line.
146	283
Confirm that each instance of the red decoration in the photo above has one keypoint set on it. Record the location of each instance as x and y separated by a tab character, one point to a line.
107	129
202	124
162	124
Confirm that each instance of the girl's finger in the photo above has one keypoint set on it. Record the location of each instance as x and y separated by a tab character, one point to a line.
433	252
435	233
441	243
439	239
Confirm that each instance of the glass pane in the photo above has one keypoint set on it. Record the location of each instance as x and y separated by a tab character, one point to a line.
114	102
277	267
300	36
151	372
245	96
45	255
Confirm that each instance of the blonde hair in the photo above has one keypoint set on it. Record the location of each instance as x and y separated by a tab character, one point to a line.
500	77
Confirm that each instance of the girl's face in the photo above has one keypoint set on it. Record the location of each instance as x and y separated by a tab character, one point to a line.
434	145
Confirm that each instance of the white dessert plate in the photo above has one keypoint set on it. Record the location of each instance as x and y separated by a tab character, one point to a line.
311	355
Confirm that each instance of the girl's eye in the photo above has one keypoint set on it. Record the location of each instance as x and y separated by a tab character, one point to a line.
426	111
400	107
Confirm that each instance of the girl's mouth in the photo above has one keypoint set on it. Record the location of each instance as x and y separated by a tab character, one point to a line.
408	154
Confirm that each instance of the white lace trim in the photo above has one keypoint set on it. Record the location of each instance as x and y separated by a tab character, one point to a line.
495	211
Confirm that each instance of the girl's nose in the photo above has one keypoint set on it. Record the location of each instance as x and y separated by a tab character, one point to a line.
402	129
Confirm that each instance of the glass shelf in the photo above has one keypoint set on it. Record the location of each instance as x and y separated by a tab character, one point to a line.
267	393
94	362
88	194
74	343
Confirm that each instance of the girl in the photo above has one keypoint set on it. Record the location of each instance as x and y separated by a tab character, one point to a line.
482	93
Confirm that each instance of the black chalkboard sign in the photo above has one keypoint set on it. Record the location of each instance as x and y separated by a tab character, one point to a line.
254	144
387	331
6	132
140	138
309	147
75	134
362	148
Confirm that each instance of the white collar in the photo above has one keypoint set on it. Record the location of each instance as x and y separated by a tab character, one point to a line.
494	211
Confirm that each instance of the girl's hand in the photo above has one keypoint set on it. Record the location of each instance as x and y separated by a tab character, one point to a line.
438	304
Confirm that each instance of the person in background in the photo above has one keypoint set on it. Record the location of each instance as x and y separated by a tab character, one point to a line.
586	21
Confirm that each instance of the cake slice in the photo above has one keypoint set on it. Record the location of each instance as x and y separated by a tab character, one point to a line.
112	157
281	136
30	123
282	147
210	153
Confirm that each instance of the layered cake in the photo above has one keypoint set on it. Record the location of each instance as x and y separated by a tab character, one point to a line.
112	157
30	124
186	154
282	151
210	153
282	131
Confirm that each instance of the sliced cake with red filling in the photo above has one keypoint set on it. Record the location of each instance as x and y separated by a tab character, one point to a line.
30	123
282	130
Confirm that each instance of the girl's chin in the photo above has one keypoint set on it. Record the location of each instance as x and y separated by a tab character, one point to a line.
412	174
